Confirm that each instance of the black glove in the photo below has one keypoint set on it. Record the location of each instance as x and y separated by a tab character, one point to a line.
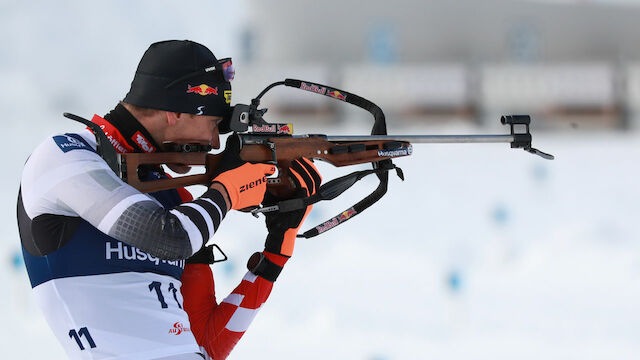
230	156
283	227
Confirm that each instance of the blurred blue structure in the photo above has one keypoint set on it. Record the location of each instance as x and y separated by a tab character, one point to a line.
228	267
454	281
500	215
379	357
523	42
17	261
382	43
540	172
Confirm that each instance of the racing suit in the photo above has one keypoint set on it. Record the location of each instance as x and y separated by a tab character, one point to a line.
105	260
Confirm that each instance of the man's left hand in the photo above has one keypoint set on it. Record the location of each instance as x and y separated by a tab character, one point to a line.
283	227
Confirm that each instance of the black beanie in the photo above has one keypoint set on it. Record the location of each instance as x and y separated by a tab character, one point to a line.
180	76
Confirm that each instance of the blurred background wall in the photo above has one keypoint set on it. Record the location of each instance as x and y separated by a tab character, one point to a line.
483	252
568	63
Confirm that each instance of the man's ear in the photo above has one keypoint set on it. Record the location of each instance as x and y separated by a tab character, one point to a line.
172	117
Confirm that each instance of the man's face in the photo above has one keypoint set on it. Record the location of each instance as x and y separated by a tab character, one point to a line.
189	128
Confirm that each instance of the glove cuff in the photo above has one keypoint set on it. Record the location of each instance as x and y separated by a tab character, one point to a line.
276	258
261	266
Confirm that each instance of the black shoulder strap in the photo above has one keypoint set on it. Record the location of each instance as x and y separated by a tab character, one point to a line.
104	147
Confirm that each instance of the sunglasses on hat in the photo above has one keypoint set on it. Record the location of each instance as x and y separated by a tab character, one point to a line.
224	68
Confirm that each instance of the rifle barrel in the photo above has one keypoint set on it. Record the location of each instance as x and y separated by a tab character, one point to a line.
429	139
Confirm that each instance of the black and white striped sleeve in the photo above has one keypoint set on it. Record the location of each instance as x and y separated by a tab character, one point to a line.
201	217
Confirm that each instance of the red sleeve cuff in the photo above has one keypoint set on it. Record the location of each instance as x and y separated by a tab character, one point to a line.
277	259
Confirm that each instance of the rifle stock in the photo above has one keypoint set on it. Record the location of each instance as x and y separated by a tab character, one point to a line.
133	161
261	149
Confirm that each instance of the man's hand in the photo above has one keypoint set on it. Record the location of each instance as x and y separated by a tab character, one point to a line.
283	227
243	183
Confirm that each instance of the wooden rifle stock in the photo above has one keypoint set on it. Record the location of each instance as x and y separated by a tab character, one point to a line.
131	163
262	149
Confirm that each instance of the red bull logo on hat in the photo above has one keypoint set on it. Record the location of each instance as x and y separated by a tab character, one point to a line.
203	89
227	96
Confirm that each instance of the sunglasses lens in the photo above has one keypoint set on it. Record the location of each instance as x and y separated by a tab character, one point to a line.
227	69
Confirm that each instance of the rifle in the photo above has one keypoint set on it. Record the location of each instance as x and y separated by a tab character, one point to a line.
263	142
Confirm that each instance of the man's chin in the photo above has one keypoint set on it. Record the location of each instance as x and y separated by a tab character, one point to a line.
179	168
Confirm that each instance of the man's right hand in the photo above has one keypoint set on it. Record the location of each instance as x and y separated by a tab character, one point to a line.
243	182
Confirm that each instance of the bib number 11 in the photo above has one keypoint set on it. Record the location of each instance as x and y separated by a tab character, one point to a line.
76	335
155	286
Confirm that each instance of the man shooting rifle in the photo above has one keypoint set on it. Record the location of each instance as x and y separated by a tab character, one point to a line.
107	262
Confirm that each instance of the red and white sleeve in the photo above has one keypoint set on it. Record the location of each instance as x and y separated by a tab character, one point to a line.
218	327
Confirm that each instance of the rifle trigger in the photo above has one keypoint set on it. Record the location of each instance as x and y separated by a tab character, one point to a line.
400	173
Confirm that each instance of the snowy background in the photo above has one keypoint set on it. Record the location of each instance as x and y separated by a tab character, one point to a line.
482	253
